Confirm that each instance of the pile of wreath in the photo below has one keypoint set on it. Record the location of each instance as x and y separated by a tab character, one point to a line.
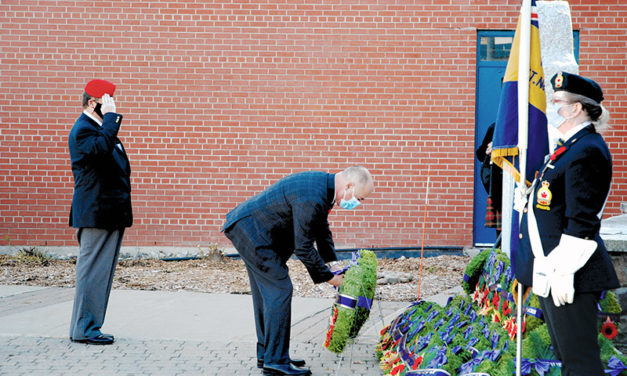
475	332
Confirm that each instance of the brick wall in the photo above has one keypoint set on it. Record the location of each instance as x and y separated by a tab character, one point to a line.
222	98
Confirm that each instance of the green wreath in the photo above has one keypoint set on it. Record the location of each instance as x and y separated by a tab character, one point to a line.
353	303
473	271
464	331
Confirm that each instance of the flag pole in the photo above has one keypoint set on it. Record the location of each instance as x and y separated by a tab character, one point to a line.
523	139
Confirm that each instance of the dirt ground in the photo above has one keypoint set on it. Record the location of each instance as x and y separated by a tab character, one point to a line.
226	275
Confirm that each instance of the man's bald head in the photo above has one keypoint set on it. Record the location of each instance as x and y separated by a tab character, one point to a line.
356	179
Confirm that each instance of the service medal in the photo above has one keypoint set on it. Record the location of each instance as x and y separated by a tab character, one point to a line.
544	196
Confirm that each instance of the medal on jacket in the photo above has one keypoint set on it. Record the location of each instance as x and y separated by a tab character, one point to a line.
544	196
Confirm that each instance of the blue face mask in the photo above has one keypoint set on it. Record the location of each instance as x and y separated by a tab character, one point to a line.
350	204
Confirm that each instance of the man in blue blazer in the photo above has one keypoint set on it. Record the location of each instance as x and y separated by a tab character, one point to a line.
285	219
101	208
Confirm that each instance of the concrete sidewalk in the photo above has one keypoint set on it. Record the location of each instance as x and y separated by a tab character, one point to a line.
171	333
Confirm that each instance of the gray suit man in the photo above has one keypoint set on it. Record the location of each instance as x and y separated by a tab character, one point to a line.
101	208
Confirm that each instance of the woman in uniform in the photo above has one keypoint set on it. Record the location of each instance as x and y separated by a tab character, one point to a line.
561	253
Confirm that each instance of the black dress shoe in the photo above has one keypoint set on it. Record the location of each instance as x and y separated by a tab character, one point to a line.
284	369
101	339
294	362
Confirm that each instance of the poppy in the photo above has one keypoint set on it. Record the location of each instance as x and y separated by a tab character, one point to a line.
609	329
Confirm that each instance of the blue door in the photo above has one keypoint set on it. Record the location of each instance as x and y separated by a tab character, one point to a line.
492	53
493	49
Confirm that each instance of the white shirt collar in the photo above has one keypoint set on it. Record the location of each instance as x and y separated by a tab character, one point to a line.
92	117
574	131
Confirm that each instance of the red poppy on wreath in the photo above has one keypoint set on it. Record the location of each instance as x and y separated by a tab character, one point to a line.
327	341
385	330
506	309
609	329
397	370
417	362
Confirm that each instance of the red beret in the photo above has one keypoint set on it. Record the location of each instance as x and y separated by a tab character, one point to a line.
98	88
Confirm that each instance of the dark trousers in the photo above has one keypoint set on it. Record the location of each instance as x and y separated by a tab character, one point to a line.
574	333
271	290
97	259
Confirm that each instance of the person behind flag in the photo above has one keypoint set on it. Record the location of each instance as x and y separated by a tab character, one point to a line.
492	180
561	222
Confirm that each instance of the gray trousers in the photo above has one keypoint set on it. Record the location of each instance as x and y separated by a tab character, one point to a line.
97	259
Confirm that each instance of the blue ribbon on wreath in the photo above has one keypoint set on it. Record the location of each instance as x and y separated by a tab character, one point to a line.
506	296
495	339
354	257
499	270
440	358
541	366
473	316
422	342
470	365
509	273
615	366
535	312
428	372
447	336
472	342
417	329
433	314
486	332
364	302
467	332
468	309
493	355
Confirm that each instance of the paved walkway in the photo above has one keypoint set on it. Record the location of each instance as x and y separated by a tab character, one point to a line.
171	333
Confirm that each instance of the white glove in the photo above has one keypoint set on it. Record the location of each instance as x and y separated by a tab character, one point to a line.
570	255
562	288
520	197
542	271
108	105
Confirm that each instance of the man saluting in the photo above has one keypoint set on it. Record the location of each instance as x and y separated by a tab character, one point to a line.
101	208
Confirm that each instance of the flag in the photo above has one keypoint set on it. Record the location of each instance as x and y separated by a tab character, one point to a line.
505	141
505	151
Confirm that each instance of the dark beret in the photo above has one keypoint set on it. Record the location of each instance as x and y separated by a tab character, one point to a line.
578	85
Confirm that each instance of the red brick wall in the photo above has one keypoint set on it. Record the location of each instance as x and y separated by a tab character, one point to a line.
222	98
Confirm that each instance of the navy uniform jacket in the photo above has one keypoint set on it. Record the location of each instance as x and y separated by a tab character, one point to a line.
289	216
574	195
102	185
